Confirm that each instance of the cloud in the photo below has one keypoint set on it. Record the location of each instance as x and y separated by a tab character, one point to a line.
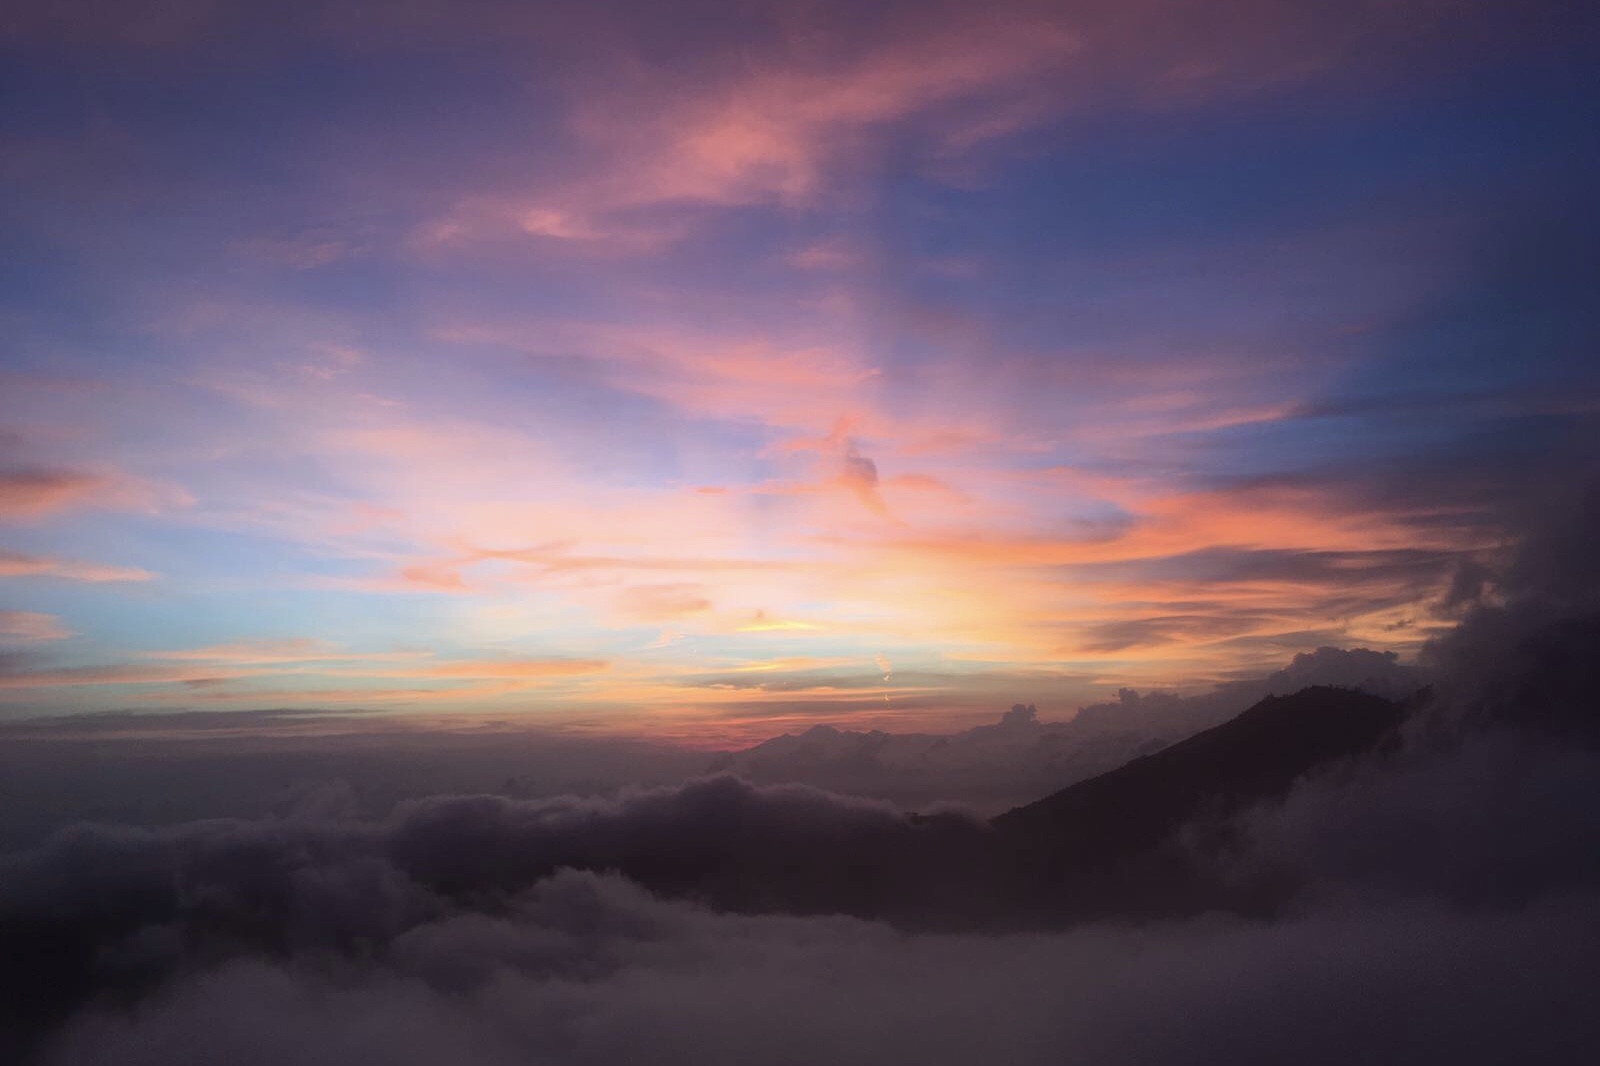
801	107
112	674
777	132
307	250
587	968
30	626
1502	819
1374	911
515	669
859	474
1491	799
283	650
233	672
590	970
663	602
1165	629
727	142
1380	673
19	564
320	883
29	494
1517	655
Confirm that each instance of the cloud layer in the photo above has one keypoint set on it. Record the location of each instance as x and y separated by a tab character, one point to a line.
1434	897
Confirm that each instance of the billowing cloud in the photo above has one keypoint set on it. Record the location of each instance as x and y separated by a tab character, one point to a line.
590	970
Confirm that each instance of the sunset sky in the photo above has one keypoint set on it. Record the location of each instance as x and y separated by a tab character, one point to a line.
710	369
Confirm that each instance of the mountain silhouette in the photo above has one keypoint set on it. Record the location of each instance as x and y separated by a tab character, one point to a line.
1111	843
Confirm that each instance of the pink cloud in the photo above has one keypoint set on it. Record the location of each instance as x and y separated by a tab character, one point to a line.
30	627
31	494
18	564
772	132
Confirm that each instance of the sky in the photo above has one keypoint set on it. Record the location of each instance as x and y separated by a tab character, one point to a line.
708	369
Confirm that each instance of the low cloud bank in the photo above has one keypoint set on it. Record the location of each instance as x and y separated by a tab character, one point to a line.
165	769
1436	900
586	969
114	910
1021	757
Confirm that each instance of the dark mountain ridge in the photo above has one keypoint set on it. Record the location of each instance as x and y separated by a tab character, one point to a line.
1254	756
1112	843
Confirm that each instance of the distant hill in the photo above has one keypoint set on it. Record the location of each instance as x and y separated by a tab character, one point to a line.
993	767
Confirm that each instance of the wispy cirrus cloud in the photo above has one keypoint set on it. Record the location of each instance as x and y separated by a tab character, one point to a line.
775	132
285	650
29	494
593	349
22	564
293	671
28	627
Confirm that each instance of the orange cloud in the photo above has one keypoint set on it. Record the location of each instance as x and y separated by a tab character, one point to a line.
116	674
505	669
763	623
663	603
208	678
287	650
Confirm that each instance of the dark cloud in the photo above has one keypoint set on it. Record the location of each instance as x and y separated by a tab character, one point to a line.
1523	652
1165	629
1378	672
79	913
1492	799
1468	584
1417	568
1501	820
709	925
859	470
587	969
